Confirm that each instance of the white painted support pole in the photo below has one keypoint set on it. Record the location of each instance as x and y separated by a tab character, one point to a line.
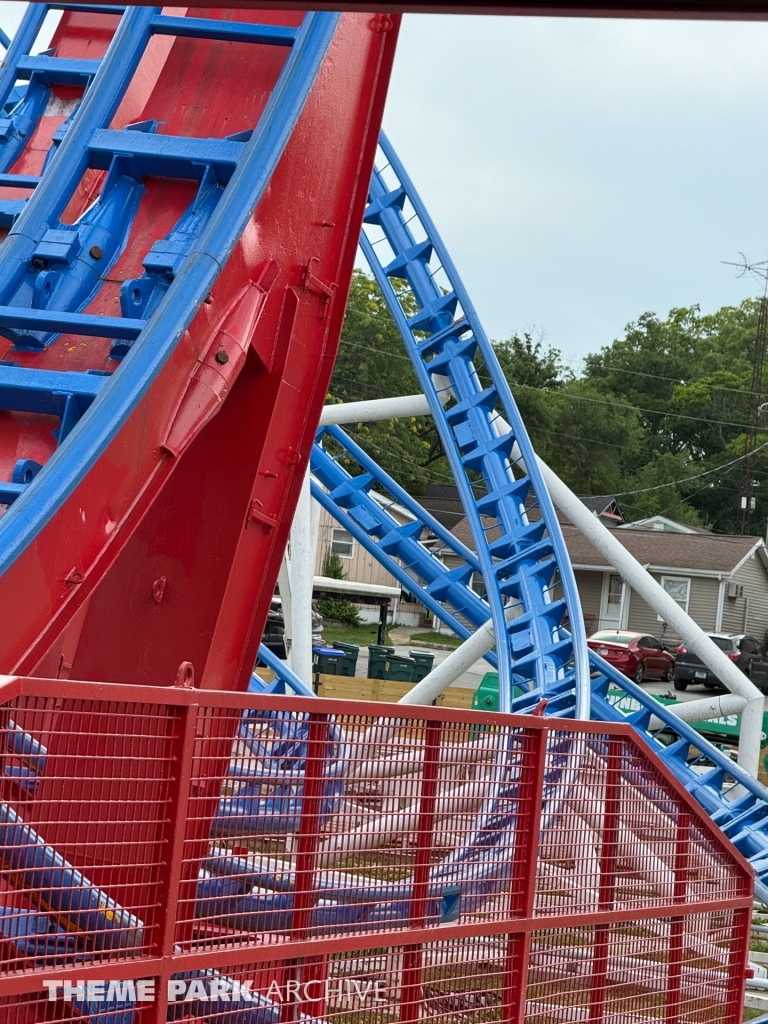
284	586
302	575
618	556
654	595
314	527
702	710
454	666
376	409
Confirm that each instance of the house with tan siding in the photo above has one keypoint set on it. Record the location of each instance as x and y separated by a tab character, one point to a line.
720	580
361	567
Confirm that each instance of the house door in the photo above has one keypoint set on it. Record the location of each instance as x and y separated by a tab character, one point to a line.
612	601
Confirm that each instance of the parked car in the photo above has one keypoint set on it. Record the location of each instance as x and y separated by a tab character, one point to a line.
273	636
638	655
743	650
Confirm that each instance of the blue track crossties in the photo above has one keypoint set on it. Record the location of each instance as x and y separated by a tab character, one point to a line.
51	271
737	803
532	592
26	81
350	500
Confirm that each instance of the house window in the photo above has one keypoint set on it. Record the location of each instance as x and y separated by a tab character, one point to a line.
678	588
478	585
615	592
342	543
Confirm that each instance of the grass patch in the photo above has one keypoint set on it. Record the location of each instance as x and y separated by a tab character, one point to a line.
438	638
360	635
750	1014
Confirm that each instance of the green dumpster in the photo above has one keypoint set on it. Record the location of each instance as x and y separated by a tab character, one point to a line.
400	670
424	662
377	660
348	664
486	696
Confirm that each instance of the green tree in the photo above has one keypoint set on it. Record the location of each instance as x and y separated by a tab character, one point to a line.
594	438
372	363
533	373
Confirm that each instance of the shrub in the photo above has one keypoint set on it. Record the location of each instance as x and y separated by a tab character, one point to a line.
342	611
333	567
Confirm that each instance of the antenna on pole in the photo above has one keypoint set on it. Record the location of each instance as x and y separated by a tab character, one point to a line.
747	483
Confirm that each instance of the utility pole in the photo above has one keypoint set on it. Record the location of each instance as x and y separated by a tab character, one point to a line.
747	482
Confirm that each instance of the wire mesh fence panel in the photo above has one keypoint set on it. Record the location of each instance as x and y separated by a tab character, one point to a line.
259	860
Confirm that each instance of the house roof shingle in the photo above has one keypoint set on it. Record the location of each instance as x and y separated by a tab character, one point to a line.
699	553
444	503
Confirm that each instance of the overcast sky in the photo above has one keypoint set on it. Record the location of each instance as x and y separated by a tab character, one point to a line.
582	172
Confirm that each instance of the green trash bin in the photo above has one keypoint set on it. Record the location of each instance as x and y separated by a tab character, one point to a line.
348	664
377	660
400	670
327	661
486	696
423	664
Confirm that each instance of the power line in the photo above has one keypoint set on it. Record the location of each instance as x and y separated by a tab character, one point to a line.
673	380
696	476
638	408
563	393
399	456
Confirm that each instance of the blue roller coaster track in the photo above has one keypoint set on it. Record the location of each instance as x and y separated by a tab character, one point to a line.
532	599
450	353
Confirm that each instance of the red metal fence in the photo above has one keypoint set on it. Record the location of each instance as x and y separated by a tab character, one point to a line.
357	864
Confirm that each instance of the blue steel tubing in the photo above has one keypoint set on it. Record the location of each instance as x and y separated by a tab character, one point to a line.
283	672
235	893
348	501
544	651
32	752
5	40
62	891
35	935
401	496
330	885
98	107
19	47
125	388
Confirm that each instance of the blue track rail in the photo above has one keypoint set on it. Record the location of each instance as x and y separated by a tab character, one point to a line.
736	802
69	263
26	80
526	564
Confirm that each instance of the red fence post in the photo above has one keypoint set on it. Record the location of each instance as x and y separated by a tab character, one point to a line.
677	924
533	756
737	965
304	892
176	835
608	850
410	990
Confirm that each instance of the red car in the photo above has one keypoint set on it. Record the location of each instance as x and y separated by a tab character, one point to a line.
637	655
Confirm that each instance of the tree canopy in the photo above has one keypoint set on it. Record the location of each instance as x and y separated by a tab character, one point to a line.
659	417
